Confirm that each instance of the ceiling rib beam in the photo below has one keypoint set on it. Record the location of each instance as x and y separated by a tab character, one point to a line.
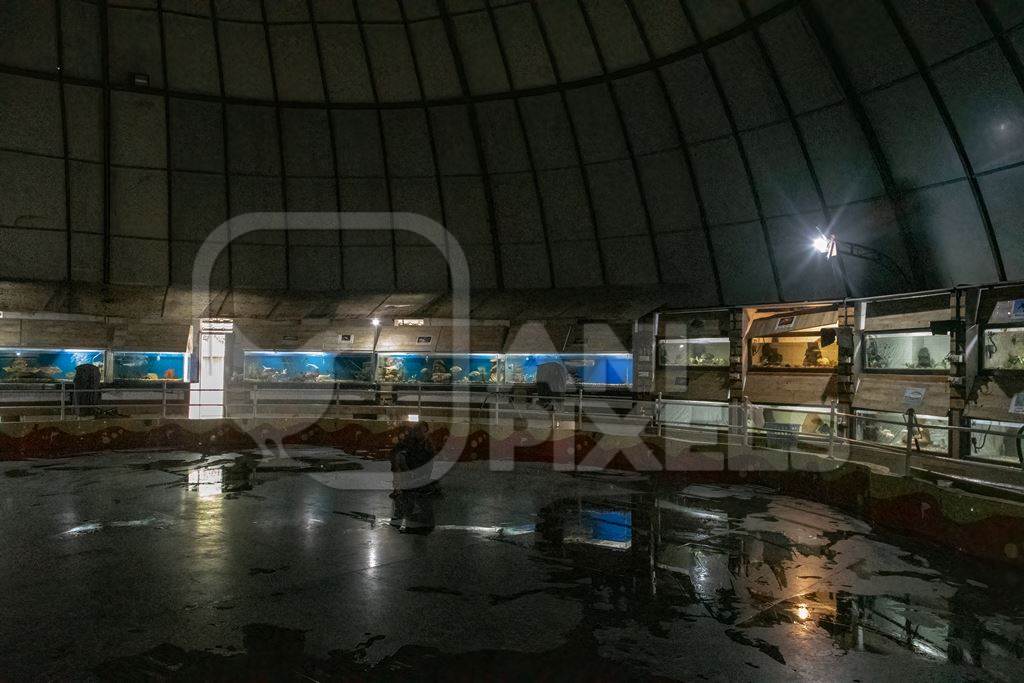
617	104
954	135
332	138
822	35
474	124
797	131
381	141
744	158
684	151
584	172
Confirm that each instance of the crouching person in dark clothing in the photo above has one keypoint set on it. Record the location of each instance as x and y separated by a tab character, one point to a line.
414	488
411	457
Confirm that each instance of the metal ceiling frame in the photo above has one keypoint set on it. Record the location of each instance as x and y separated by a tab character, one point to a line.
740	147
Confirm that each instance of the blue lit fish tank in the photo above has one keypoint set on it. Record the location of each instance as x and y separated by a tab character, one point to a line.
583	369
45	365
139	366
422	368
307	367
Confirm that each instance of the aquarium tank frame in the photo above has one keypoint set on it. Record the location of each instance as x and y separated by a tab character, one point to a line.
184	367
328	356
562	357
682	341
810	335
939	369
19	351
430	357
984	341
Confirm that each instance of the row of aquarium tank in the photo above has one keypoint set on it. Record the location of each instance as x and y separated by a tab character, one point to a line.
420	368
30	366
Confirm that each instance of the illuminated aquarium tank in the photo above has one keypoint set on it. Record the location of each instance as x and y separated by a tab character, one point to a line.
889	429
45	365
906	351
595	369
307	367
697	352
1003	348
793	351
421	368
150	367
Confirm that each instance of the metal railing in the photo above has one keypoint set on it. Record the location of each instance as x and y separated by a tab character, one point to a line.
806	429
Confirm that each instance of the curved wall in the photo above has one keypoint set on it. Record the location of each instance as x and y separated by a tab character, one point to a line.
565	143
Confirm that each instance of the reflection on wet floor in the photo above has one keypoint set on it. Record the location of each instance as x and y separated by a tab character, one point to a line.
254	565
753	560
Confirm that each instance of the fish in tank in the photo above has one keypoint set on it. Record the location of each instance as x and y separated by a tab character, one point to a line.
596	369
414	368
45	365
142	366
307	367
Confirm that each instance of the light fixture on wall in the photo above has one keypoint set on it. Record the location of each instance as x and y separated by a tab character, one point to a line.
375	322
140	80
829	245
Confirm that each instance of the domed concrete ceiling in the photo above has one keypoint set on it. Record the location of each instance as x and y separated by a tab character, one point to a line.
692	145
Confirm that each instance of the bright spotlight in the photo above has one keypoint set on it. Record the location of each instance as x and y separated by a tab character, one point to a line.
375	322
821	244
802	612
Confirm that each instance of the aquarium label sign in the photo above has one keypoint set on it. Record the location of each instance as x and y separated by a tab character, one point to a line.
346	337
785	323
1017	309
913	396
423	340
1017	404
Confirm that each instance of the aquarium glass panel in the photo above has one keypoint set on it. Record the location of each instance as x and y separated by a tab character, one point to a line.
421	368
705	352
901	351
1003	349
45	365
307	367
996	440
803	352
790	419
692	413
150	367
927	437
596	369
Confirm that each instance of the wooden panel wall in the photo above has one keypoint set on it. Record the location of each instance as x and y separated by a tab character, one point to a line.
793	388
698	384
885	392
766	327
907	314
991	397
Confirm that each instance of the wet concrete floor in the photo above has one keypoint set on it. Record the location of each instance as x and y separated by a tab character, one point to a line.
180	566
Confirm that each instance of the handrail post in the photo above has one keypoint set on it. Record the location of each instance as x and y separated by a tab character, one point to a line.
657	416
255	400
579	408
911	428
832	429
163	398
63	397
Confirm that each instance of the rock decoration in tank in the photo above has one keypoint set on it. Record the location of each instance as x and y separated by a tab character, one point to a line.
392	370
770	356
701	356
925	361
44	365
874	357
21	370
